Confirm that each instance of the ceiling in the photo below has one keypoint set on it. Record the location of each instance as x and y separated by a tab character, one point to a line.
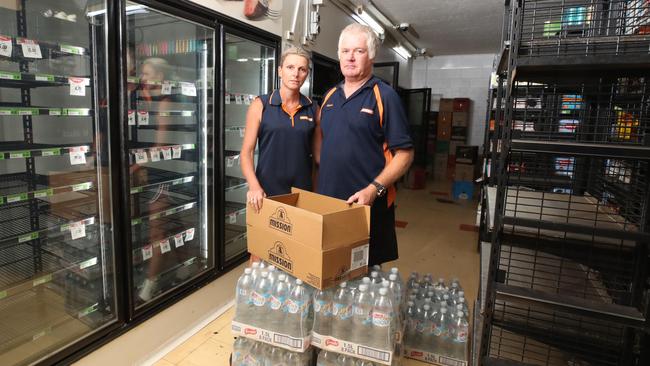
449	27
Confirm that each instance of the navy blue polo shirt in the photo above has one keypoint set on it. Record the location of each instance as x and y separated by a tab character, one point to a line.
285	145
352	153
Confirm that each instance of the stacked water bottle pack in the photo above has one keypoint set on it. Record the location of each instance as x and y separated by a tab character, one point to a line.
328	358
273	307
362	317
248	352
436	317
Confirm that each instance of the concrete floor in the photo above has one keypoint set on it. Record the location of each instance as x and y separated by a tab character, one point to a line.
437	238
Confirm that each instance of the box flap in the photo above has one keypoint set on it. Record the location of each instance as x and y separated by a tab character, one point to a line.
347	226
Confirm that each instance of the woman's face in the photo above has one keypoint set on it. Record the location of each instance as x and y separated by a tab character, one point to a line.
148	73
294	71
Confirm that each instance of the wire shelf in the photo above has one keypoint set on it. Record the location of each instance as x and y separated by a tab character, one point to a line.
538	336
588	198
596	110
574	28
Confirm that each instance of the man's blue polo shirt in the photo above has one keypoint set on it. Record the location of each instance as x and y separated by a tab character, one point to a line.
352	153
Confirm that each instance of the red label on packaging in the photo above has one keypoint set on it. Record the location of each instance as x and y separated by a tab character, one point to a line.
331	342
250	331
417	354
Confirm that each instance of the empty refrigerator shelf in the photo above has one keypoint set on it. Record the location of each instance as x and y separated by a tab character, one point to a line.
163	213
538	336
21	79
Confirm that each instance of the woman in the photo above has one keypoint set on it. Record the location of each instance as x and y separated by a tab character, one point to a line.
283	123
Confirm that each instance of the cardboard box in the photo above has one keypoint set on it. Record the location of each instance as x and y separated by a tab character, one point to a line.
467	154
460	119
461	104
10	4
446	105
269	337
444	126
464	172
319	239
462	190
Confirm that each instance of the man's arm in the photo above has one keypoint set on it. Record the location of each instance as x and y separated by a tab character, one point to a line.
389	175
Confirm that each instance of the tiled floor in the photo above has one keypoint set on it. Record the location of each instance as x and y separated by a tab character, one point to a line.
431	241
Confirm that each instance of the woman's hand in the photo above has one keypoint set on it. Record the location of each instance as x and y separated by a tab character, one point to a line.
254	197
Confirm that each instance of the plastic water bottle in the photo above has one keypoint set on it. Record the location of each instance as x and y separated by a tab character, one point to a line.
243	298
377	268
298	305
260	297
375	282
255	268
395	271
276	304
274	356
240	349
323	312
396	287
273	274
327	358
424	324
413	279
341	312
427	280
256	355
294	359
361	362
440	330
345	360
362	316
460	329
453	290
446	299
411	315
383	321
463	304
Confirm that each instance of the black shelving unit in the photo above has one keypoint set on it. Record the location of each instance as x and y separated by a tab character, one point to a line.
567	204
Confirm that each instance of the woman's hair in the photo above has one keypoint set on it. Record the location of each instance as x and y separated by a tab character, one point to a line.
372	41
159	65
293	50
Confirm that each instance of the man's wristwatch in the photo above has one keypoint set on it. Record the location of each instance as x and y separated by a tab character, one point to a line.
381	190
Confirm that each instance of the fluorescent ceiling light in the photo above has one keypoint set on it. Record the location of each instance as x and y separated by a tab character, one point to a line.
365	18
242	60
400	50
130	9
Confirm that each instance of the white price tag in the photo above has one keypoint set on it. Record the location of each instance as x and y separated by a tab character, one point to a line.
167	153
140	156
238	99
6	46
230	161
189	234
242	130
166	88
248	99
176	151
77	86
77	155
178	240
31	49
143	117
188	89
131	118
147	252
164	246
226	98
155	154
78	230
232	218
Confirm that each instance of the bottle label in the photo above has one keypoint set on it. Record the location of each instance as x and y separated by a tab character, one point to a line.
276	302
323	307
381	319
293	306
438	331
461	336
342	311
418	326
243	292
258	299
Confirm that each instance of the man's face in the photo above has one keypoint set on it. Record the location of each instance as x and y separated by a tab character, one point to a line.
355	62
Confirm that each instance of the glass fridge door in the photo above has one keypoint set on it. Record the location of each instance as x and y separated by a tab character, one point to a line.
169	85
249	71
57	281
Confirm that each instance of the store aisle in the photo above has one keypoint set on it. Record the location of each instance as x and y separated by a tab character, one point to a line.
437	238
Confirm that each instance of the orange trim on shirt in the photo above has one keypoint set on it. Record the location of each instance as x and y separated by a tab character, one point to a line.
291	114
388	156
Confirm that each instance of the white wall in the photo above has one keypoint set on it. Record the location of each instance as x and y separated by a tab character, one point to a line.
458	76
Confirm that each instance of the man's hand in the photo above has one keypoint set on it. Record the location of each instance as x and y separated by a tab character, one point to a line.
365	196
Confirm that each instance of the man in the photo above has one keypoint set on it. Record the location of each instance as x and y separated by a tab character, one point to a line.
363	145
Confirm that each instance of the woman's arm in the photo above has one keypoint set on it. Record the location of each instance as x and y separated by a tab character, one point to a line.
253	120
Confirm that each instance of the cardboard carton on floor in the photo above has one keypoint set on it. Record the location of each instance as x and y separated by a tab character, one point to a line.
319	239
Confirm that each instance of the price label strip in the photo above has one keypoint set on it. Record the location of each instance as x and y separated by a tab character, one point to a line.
143	118
78	230
188	89
178	240
141	156
176	151
77	155
238	99
147	252
189	234
165	246
166	88
31	49
155	154
77	86
167	153
6	46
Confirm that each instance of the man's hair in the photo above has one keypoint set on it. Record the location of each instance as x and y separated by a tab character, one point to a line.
372	42
293	50
159	65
